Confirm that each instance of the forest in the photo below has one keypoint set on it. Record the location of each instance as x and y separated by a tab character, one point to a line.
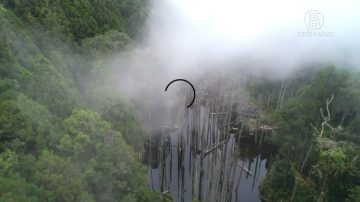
59	140
316	125
67	133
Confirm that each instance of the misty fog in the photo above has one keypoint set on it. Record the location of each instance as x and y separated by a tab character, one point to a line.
187	39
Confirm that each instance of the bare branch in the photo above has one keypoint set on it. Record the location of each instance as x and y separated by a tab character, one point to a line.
316	130
326	118
322	113
328	125
328	102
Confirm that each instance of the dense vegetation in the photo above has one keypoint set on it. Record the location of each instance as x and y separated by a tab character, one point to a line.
60	139
77	20
316	124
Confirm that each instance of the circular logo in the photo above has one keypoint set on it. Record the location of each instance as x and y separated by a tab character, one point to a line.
314	19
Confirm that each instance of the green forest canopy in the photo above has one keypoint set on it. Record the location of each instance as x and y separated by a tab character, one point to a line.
58	140
317	130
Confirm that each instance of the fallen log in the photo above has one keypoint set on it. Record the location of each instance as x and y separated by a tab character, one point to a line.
214	147
246	170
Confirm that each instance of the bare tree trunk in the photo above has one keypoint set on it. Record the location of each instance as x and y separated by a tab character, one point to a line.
301	169
280	96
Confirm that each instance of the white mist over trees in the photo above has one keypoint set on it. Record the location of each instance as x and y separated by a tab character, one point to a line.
186	39
186	33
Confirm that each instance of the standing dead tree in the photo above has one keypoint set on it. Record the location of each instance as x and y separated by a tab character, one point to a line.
318	133
281	96
326	119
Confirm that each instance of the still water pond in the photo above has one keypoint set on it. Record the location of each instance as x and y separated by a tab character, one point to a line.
197	160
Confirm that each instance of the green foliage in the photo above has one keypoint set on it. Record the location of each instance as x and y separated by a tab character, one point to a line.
354	194
59	177
330	171
48	87
109	43
110	167
26	126
122	117
12	186
146	195
50	150
77	20
87	122
31	71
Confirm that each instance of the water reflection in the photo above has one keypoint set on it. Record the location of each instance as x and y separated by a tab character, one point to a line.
203	158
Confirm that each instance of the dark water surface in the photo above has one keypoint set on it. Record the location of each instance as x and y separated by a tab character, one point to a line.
183	163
